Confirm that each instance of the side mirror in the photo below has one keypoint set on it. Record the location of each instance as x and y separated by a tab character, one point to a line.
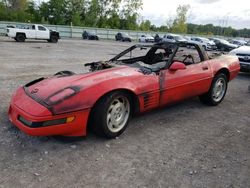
177	66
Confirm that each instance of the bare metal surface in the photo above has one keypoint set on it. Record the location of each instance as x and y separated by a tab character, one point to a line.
185	145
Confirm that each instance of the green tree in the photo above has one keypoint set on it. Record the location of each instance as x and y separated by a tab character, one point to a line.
3	11
179	23
145	25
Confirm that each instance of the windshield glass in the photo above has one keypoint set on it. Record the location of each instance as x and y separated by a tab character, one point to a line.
137	52
125	35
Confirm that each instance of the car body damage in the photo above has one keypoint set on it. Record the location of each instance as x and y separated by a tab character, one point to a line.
139	79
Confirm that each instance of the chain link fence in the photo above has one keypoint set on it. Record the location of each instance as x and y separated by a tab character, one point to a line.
76	31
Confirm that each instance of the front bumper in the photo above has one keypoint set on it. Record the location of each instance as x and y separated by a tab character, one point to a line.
244	67
20	115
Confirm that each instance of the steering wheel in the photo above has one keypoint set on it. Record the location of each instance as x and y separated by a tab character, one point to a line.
188	57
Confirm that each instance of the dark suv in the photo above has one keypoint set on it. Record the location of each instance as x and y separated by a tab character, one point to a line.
123	37
89	35
223	45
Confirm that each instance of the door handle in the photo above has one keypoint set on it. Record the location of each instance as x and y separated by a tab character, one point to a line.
205	68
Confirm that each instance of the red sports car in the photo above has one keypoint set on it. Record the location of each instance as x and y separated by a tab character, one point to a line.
139	79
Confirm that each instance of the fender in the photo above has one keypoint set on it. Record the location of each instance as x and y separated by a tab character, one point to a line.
138	84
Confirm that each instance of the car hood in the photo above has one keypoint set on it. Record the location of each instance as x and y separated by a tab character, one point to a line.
64	94
230	45
242	50
61	86
182	40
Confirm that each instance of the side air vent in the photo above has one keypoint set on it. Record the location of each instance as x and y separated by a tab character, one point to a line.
150	101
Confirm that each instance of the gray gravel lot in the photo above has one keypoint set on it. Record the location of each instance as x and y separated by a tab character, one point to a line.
184	145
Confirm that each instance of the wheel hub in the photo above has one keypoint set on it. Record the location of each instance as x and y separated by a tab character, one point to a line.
118	114
219	89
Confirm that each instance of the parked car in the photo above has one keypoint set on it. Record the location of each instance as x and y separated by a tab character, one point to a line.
139	79
237	42
38	32
90	35
204	42
123	37
224	45
243	54
173	38
146	38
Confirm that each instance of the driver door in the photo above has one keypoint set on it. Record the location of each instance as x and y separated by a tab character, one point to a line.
42	33
177	85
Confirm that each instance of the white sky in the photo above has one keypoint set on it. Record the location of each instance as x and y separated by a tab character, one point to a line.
235	13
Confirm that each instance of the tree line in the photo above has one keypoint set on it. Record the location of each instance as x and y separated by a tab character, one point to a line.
114	14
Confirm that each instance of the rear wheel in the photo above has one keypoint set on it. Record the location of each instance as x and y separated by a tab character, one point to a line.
20	37
217	91
111	115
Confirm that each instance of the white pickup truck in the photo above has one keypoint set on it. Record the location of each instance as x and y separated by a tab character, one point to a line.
38	32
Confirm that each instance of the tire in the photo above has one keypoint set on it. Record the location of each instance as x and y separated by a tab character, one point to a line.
212	97
111	115
53	39
20	37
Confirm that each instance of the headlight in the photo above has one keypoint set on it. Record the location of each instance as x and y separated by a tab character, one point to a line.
60	96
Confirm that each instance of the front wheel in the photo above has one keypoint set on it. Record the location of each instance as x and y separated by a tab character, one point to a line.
111	115
217	91
54	39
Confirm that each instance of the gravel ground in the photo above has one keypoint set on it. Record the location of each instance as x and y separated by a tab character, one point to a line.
185	145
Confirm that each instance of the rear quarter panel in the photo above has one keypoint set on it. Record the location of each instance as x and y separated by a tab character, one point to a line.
231	63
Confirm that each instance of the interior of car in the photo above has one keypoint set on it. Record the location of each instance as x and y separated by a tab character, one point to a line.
159	56
153	57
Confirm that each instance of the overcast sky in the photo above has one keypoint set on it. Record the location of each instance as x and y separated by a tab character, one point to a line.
235	13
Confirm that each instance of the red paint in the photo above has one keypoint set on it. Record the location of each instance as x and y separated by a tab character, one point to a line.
177	66
152	91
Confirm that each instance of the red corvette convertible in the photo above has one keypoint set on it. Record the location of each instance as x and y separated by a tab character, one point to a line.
139	79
